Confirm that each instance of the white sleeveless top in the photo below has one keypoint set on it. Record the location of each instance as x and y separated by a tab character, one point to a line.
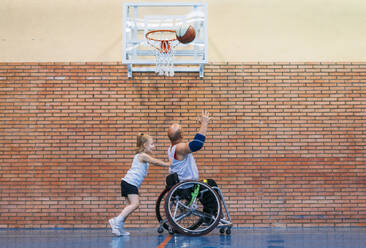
186	168
137	173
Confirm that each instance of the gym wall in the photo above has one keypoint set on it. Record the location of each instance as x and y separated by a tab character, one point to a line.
286	146
238	30
285	84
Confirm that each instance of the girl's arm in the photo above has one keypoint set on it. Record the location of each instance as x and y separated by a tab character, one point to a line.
143	157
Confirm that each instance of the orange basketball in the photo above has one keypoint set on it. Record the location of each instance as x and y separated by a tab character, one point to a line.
185	33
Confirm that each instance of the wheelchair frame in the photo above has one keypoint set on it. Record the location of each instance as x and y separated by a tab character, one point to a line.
221	220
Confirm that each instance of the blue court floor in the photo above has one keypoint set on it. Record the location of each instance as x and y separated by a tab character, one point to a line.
141	238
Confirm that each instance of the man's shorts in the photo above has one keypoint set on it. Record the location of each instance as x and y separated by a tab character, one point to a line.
128	189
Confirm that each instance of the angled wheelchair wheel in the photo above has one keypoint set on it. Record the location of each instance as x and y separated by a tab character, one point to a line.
159	209
160	213
193	208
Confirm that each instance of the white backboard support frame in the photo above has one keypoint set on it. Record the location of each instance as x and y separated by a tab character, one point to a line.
140	18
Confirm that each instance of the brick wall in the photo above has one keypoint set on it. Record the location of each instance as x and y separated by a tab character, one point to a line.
287	145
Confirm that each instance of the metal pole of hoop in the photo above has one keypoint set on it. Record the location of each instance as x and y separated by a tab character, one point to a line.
164	50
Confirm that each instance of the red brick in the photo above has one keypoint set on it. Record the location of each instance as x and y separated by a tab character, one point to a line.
286	144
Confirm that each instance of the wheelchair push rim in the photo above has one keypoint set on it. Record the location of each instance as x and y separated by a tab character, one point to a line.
193	208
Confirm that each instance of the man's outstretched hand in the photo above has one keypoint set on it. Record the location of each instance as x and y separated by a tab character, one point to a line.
205	117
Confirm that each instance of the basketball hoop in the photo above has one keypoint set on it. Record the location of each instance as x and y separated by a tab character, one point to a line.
164	43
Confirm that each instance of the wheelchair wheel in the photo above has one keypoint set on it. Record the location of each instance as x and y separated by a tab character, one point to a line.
193	208
159	209
160	213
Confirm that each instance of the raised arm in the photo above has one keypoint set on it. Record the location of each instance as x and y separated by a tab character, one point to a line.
197	143
154	161
204	119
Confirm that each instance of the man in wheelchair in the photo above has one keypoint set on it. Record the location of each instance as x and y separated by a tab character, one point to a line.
191	207
180	152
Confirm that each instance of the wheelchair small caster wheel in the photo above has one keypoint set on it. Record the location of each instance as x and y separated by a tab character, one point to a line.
160	230
228	231
170	230
222	230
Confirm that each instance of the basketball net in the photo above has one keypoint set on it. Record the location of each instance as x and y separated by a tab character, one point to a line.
164	50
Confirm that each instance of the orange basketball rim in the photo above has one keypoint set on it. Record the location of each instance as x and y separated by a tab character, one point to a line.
160	39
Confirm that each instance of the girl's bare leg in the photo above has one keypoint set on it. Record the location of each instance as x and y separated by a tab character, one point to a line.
133	204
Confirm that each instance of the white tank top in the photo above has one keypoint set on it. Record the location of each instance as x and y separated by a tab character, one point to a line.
137	173
186	168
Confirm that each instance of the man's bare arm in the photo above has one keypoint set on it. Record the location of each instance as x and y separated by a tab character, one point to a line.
183	149
204	119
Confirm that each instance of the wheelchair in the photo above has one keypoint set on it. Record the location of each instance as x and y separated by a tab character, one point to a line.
193	208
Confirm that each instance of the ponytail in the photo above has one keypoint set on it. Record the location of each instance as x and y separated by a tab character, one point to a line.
140	141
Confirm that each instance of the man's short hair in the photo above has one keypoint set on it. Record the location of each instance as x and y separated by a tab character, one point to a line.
175	136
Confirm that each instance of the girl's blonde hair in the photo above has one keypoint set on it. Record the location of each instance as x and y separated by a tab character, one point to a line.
140	141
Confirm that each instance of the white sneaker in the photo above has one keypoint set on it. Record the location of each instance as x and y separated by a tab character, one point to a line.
122	230
114	226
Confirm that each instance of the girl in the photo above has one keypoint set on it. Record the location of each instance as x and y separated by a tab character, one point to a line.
133	179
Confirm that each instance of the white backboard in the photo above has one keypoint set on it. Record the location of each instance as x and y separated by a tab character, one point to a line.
140	18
